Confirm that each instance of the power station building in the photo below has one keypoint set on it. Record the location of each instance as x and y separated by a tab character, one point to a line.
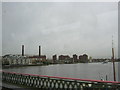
37	59
23	59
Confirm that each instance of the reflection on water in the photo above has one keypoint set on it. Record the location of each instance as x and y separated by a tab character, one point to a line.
81	70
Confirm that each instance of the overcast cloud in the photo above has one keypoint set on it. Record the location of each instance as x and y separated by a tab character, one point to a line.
60	28
0	29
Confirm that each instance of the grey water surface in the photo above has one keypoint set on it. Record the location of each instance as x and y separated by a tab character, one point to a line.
94	71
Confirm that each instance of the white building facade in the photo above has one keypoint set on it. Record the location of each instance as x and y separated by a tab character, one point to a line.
15	60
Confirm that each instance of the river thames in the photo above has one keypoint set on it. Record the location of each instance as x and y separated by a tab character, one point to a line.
94	71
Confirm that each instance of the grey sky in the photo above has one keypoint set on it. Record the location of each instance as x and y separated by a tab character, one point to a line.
0	29
60	28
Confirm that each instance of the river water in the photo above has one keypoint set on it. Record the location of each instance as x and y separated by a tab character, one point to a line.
94	71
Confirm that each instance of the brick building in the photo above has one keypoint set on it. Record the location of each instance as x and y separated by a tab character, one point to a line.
75	58
54	57
83	58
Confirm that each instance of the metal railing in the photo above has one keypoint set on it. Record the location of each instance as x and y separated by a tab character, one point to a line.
51	82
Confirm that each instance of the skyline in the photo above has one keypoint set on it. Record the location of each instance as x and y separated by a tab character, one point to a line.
60	28
39	54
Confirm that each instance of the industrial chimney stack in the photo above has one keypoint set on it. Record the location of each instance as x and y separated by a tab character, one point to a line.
22	50
39	50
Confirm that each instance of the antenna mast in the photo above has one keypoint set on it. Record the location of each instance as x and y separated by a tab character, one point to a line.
113	60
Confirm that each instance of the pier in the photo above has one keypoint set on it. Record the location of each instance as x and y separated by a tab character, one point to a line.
53	82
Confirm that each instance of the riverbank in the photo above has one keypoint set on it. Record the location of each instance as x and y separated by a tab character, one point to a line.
12	66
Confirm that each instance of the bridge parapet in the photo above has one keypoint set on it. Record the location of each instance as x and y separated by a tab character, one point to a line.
52	82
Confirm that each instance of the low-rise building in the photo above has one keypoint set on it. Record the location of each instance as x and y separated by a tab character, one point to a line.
64	58
37	59
83	58
11	59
